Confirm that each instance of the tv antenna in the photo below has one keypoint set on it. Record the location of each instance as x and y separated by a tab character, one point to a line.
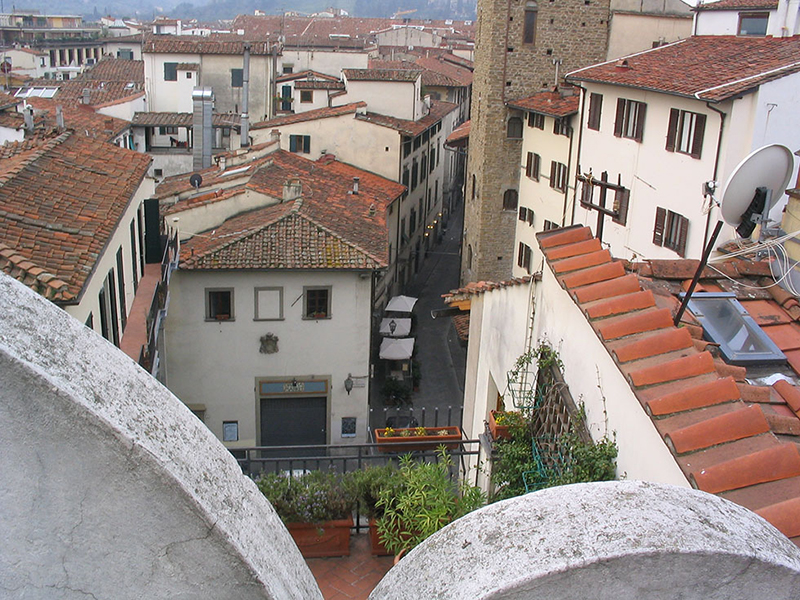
754	187
196	180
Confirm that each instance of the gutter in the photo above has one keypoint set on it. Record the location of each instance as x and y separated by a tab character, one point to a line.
722	116
578	156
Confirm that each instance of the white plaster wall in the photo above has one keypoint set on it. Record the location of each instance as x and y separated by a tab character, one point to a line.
323	61
121	238
319	99
596	382
497	330
359	143
125	110
217	363
545	202
169	96
8	134
394	99
716	22
196	219
654	176
172	163
411	37
112	47
215	72
111	487
631	33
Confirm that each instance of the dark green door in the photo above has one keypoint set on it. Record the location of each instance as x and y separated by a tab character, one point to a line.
294	422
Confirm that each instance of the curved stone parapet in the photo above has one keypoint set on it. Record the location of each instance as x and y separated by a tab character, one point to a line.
111	488
620	540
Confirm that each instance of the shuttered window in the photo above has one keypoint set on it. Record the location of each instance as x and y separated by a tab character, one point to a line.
595	110
533	165
510	200
621	198
629	122
300	144
671	230
558	176
685	132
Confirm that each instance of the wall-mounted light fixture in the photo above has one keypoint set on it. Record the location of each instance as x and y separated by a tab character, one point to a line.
392	326
349	384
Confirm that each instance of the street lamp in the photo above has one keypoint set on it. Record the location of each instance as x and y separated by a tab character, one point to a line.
392	326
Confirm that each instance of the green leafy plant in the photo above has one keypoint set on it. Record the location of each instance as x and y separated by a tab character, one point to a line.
396	392
370	482
314	497
420	431
508	419
426	501
389	432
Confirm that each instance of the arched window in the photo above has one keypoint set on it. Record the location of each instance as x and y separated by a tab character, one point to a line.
514	130
529	27
510	200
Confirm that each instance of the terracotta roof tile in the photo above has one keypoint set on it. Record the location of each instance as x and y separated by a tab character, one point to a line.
766	313
681	368
707	394
411	128
397	75
737	5
460	134
618	327
785	516
560	237
742	423
570	250
786	337
607	289
789	393
581	261
666	340
218	43
550	103
592	275
620	304
777	462
783	424
83	119
311	115
713	68
177	119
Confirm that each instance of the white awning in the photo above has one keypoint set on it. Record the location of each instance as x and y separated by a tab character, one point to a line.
401	304
397	348
402	327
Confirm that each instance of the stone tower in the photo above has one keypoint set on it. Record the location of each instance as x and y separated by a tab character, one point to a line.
517	46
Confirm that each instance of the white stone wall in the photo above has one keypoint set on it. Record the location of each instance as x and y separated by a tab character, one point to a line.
322	61
631	33
391	98
169	96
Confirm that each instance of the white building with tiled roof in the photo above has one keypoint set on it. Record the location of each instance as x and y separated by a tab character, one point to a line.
281	264
663	122
777	18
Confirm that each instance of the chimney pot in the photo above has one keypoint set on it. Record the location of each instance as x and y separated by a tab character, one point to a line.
356	181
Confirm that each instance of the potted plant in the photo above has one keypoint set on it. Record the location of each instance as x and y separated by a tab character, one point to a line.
369	483
396	392
406	439
426	500
500	422
316	507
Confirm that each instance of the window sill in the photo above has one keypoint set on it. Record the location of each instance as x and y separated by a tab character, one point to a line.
209	320
276	319
325	318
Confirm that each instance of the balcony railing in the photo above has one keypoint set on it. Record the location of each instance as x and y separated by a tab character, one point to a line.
148	357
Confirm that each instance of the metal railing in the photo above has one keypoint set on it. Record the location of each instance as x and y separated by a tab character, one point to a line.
422	417
148	357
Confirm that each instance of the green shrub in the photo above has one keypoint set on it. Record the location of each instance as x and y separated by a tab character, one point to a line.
314	497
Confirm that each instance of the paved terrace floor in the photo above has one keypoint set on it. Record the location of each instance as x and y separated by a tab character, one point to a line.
350	577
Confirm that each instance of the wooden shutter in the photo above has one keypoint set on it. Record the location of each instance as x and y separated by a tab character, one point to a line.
292	143
672	129
595	106
640	121
553	171
523	213
683	225
621	198
619	123
699	132
306	144
520	254
658	229
529	165
537	160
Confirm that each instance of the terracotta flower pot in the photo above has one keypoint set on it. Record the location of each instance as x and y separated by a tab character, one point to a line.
406	443
315	540
378	549
498	431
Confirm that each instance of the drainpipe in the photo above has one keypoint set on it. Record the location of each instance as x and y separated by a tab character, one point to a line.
722	116
578	156
245	96
273	84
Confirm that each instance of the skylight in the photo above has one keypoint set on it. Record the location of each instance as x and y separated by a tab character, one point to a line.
726	322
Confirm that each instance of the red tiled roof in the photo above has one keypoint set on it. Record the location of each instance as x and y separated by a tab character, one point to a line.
550	103
11	119
80	117
101	93
460	134
7	101
319	84
116	69
437	71
728	437
401	75
310	115
170	119
61	199
737	5
217	43
412	128
330	228
311	75
713	68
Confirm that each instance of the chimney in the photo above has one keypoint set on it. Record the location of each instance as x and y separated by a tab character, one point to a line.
356	181
28	117
86	96
275	135
59	117
372	210
203	104
245	96
292	190
222	162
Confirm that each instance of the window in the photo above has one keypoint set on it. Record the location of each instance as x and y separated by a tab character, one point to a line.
414	174
123	53
533	165
167	130
514	128
423	167
510	198
170	71
530	217
529	25
595	110
412	221
230	431
558	176
237	78
318	303
726	322
630	119
405	177
753	23
269	303
524	257
407	142
523	213
671	230
306	96
287	69
621	198
548	225
300	144
561	127
433	160
219	304
188	74
403	238
587	192
474	186
685	132
536	120
417	142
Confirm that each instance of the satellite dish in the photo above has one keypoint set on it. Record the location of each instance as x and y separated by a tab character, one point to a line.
769	167
196	180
